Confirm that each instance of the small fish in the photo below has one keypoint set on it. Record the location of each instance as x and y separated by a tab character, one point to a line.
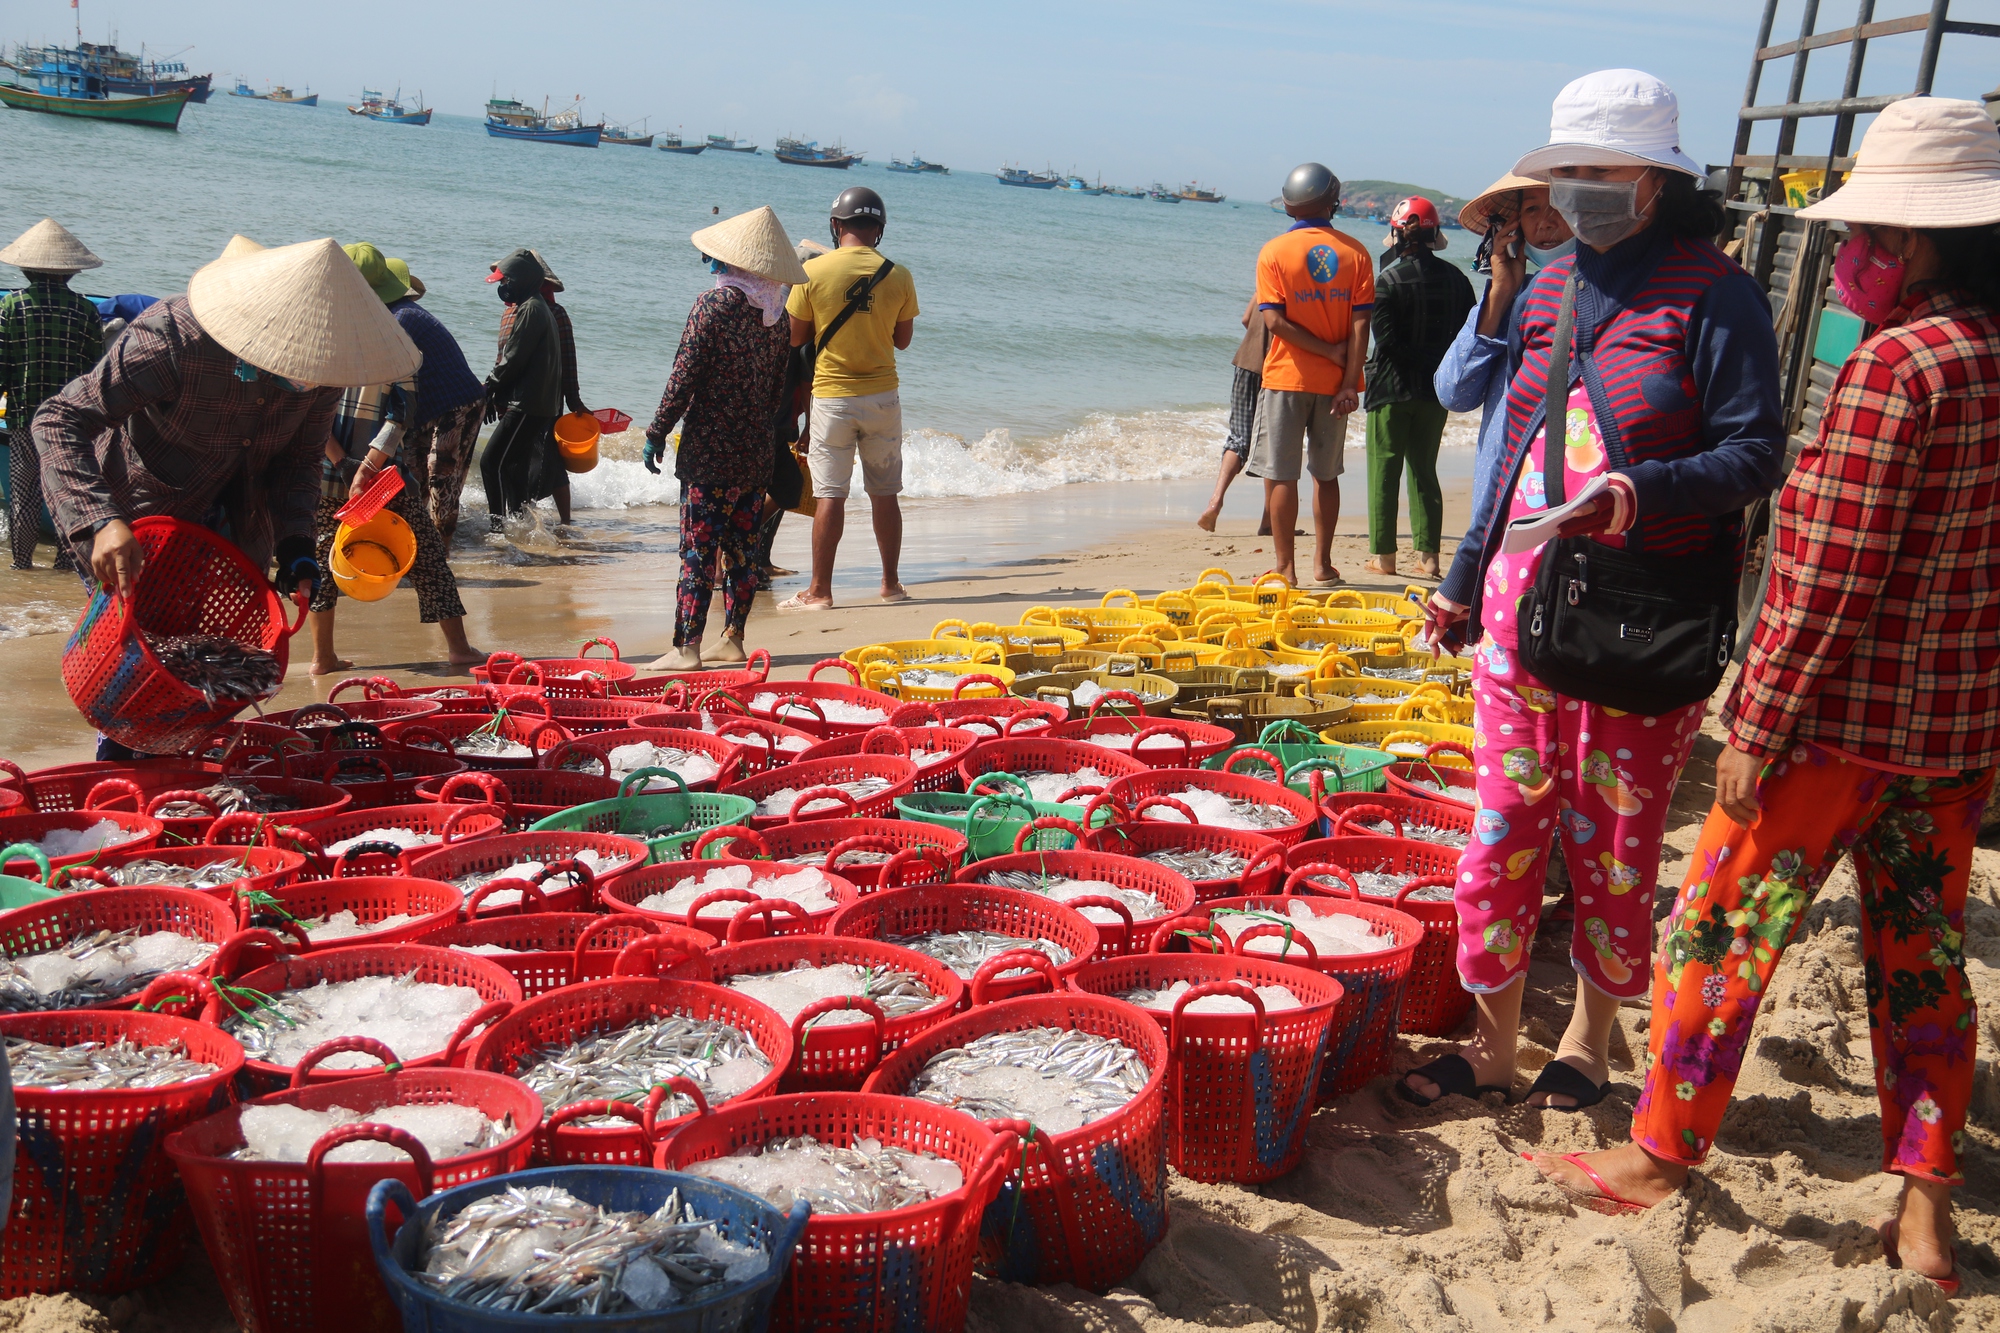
867	1177
95	968
95	1066
209	875
781	801
624	1064
1055	1078
221	669
230	797
1143	906
1199	863
964	950
1443	837
846	859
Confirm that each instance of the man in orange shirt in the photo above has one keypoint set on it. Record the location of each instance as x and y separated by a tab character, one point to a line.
1315	288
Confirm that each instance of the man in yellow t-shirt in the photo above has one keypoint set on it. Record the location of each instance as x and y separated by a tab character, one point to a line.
1316	288
858	310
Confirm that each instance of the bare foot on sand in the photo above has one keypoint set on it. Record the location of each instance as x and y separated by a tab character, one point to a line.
1327	577
894	592
1208	516
1380	564
320	668
801	602
470	657
1634	1175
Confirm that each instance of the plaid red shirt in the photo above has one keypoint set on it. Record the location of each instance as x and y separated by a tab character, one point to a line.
1880	635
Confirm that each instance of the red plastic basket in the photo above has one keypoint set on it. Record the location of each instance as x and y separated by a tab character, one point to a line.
371	898
795	702
450	824
109	786
837	1057
449	698
1404	777
1127	934
1263	871
498	852
31	828
497	990
910	1268
557	949
112	675
1353	807
989	717
263	867
765	745
755	918
807	778
56	921
372	778
603	1006
1082	1206
594	751
1240	1087
1370	1013
933	908
690	683
287	1238
831	840
443	733
1436	1004
587	717
525	796
936	771
1136	791
310	719
309	800
557	674
1153	743
1035	754
97	1203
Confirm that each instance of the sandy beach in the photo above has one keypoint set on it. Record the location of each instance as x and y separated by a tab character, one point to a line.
1399	1219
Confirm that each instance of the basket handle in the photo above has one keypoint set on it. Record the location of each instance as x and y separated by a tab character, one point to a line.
1272	856
340	1046
1103	800
251	828
877	1020
366	684
731	833
492	790
1423	882
915	714
1022	790
570	749
989	1172
719	896
639	1115
364	735
811	795
1287	728
586	939
1000	803
115	789
304	843
246	914
527	889
685	1086
892	737
29	852
1173	803
1029	830
640	779
991	969
984	725
367	1131
747	732
793	704
1104	900
641	957
722	699
1192	930
1046	714
1301	878
17	778
838	664
385	1192
179	797
1275	764
759	665
1172	732
931	858
535	739
500	665
347	864
1081	789
363	759
978	678
1131	598
860	842
1463	751
1347	817
1120	697
1290	935
588	644
170	986
964	631
1176	1032
97	875
224	962
491	1012
770	909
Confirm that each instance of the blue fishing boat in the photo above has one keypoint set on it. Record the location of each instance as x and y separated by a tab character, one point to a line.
1032	180
122	72
390	110
808	153
671	143
509	119
243	89
1160	194
1078	185
916	165
73	87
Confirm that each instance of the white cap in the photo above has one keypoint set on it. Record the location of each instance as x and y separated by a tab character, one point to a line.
1613	118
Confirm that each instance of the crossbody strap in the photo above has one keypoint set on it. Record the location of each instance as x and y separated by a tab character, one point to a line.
854	303
1556	405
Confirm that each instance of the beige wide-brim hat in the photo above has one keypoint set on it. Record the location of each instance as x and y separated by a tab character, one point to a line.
754	242
1925	162
48	247
1477	215
304	312
240	245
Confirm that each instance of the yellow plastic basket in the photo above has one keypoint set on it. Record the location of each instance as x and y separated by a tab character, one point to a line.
1105	624
1405	740
1156	693
1357	689
1011	638
892	678
913	650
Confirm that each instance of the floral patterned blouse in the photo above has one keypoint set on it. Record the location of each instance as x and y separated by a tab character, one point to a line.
726	382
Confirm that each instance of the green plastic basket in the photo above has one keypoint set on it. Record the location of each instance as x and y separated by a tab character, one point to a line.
18	892
990	821
689	814
1300	750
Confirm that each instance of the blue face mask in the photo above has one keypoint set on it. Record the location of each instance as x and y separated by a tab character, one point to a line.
1544	258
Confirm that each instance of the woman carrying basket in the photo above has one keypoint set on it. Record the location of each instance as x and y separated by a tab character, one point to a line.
1865	717
1672	416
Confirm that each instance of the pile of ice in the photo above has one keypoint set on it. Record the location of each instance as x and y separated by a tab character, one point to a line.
344	925
404	838
1142	905
596	862
1274	998
412	1018
866	1177
691	766
1334	933
1046	786
122	966
712	722
280	1133
1088	692
791	991
808	887
1219	811
1123	741
834	710
781	801
61	842
488	950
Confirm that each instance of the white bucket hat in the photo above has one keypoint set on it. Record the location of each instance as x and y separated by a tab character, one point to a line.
754	242
1925	162
1613	118
48	247
305	312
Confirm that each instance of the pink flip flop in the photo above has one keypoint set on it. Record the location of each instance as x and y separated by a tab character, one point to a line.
798	602
1607	1200
1887	1230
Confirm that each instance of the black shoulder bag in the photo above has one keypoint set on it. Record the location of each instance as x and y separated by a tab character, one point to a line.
1620	627
854	303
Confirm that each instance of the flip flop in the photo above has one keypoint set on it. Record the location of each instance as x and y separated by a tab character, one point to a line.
1454	1077
1564	1080
797	602
900	595
1607	1200
1887	1230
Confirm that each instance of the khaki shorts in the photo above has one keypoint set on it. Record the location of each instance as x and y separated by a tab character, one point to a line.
1289	424
870	425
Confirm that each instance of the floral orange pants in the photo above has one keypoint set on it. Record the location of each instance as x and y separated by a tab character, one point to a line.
1912	840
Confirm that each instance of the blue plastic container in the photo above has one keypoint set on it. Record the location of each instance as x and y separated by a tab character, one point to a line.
739	1216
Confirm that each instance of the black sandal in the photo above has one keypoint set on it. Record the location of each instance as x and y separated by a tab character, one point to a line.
1562	1080
1454	1077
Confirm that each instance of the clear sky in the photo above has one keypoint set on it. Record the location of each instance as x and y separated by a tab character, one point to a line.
1442	93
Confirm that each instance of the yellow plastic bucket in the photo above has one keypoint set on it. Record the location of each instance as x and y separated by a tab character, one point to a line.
369	561
576	440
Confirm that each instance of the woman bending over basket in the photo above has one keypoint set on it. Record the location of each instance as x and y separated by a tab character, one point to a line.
1667	423
1865	717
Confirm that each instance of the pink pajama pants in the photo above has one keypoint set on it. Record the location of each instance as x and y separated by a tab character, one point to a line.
1602	778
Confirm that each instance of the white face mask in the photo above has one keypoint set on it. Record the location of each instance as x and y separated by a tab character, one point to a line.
1544	258
1601	213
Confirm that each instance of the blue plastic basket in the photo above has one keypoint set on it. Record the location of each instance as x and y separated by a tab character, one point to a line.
739	1216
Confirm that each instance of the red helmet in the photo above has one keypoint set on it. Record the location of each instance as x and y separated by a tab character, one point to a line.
1416	211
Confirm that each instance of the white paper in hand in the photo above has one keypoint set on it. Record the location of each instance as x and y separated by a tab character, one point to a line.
1525	534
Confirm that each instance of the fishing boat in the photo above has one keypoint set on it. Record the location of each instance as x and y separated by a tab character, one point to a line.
243	89
280	93
916	165
1120	192
391	110
1194	194
672	143
725	143
370	98
122	72
66	87
898	164
626	136
509	119
1078	185
808	153
1032	180
1162	195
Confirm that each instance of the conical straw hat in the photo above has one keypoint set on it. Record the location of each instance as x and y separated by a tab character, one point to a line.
240	245
47	247
754	242
305	312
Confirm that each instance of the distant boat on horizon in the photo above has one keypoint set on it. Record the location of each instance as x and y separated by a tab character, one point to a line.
390	110
624	136
1194	194
917	165
1031	180
1162	195
507	118
280	93
808	153
724	143
672	143
1078	185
